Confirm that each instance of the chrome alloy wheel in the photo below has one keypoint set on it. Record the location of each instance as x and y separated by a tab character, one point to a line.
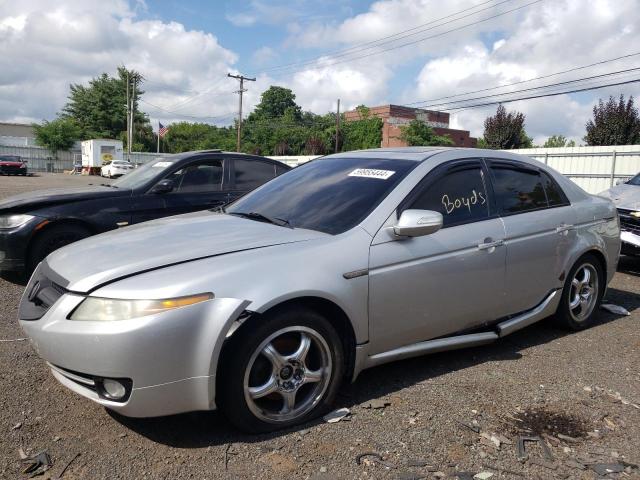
287	375
584	292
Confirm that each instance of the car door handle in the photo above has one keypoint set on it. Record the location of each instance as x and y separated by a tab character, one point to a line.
488	245
563	228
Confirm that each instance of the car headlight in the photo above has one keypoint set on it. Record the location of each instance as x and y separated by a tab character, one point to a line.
14	221
97	309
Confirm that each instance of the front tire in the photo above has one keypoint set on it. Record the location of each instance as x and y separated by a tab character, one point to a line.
280	370
582	294
52	239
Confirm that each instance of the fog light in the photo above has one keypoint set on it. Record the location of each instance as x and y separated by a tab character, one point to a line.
114	389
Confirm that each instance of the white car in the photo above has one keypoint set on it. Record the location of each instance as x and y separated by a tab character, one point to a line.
116	168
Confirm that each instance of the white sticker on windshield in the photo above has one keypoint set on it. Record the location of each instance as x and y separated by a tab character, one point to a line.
161	164
371	173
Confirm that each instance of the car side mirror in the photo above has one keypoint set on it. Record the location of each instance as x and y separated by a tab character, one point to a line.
416	223
163	186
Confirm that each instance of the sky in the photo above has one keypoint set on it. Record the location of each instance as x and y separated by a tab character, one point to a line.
362	52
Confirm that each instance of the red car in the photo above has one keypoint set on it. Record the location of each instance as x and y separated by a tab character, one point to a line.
12	165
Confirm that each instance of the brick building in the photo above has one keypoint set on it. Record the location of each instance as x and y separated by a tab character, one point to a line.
394	116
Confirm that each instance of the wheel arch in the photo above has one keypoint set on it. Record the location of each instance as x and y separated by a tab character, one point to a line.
331	310
53	224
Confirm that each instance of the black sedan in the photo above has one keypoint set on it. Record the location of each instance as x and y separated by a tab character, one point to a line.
35	224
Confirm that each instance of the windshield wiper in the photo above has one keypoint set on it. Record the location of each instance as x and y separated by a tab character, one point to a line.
263	218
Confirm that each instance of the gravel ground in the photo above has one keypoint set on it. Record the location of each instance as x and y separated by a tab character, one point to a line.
585	385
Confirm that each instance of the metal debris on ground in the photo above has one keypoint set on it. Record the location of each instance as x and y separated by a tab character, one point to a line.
337	415
522	454
483	475
616	309
375	458
14	340
227	452
37	464
377	404
473	428
464	475
607	468
66	467
16	426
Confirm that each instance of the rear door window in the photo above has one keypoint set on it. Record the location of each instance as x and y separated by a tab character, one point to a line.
555	195
459	194
199	177
250	174
517	190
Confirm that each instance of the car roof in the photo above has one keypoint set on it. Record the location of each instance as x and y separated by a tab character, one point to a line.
420	154
245	156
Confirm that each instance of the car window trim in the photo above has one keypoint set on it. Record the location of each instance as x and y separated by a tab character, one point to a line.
232	182
444	169
523	167
188	162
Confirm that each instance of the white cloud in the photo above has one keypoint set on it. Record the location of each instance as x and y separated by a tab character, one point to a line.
241	19
45	47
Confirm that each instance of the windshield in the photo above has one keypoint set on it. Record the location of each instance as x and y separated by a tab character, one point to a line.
330	195
634	180
141	175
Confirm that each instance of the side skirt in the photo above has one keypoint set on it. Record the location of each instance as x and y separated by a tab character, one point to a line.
546	308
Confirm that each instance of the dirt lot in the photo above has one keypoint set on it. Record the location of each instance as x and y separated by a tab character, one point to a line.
584	385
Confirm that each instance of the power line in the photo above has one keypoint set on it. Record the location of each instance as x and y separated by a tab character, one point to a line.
385	40
567	82
552	94
185	115
462	27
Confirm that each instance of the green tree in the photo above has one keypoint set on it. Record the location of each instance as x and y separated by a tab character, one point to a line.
59	134
418	134
275	102
555	141
505	131
363	133
614	123
100	108
185	137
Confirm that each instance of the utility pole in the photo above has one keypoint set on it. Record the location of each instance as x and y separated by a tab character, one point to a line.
133	111
128	116
337	125
240	92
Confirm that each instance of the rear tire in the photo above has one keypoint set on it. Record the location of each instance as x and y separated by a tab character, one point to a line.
52	239
582	294
280	370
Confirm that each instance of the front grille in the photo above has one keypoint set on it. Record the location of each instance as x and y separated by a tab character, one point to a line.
41	293
629	223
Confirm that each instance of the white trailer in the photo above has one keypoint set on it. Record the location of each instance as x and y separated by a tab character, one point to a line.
96	153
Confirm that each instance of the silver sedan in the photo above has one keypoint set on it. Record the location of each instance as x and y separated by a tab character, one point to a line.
341	264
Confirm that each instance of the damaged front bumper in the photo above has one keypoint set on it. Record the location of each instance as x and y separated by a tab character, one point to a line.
167	361
630	231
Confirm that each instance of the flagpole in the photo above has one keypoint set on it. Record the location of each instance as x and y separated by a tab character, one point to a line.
158	137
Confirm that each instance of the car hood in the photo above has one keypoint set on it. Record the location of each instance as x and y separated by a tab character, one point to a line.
29	201
96	261
624	196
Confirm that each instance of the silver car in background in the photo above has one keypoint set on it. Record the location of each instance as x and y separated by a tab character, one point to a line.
626	198
341	264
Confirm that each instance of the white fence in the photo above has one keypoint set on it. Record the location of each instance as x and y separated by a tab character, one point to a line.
41	160
593	168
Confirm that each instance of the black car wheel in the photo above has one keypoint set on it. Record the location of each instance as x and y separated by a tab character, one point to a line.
282	370
582	293
52	239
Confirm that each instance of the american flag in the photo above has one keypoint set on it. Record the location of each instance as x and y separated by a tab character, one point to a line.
162	130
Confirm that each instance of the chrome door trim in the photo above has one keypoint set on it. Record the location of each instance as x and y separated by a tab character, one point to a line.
544	309
432	346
